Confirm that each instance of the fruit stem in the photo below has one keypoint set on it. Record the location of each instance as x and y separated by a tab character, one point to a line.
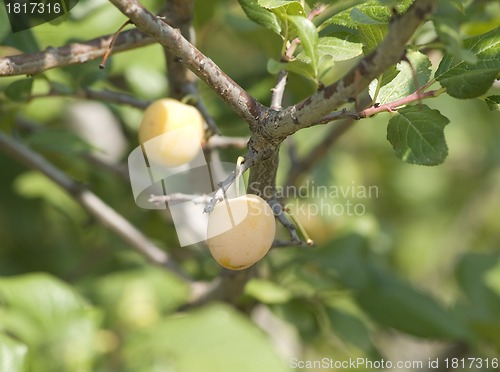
303	231
240	161
189	99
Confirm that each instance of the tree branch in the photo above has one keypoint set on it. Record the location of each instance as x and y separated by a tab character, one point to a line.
99	95
181	81
75	53
92	204
234	95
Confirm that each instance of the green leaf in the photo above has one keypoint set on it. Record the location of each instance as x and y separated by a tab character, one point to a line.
292	7
349	328
301	313
260	15
267	292
12	354
371	36
338	49
56	323
493	103
214	338
404	83
466	80
283	11
472	275
297	66
370	12
331	50
41	296
20	90
448	32
417	135
157	292
58	140
375	16
308	40
396	304
32	184
388	76
448	19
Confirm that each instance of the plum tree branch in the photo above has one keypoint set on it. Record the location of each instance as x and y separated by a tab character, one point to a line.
171	39
74	53
181	81
100	95
92	204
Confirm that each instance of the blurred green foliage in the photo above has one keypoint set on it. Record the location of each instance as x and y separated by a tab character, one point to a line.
420	265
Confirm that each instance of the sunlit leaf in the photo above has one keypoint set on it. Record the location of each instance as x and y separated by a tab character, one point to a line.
57	324
338	49
12	354
214	338
409	78
137	298
370	16
267	292
40	295
368	12
371	35
308	40
283	11
260	15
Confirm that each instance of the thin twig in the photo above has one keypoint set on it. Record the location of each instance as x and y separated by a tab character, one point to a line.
279	90
222	142
114	97
316	11
92	204
277	243
376	109
196	199
392	106
278	211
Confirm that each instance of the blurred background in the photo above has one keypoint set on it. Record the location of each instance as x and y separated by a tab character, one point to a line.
414	276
